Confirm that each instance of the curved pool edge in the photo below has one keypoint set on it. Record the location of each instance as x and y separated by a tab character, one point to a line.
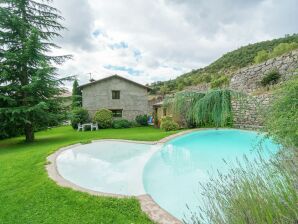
148	205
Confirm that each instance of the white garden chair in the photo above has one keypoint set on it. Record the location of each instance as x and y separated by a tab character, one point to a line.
80	127
94	126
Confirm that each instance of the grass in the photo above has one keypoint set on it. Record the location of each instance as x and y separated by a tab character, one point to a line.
27	195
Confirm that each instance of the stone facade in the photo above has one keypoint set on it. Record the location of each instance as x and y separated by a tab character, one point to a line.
247	79
133	96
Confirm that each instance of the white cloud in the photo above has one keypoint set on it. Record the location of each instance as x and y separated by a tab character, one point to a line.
158	40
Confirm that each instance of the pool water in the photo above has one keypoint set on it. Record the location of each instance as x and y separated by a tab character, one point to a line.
114	167
172	175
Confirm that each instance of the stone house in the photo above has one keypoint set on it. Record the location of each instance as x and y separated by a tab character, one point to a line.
124	97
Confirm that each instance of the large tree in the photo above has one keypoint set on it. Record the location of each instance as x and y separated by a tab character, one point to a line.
29	84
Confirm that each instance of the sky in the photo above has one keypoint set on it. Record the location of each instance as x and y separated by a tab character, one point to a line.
158	40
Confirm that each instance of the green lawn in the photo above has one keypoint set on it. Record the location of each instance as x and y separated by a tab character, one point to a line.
27	195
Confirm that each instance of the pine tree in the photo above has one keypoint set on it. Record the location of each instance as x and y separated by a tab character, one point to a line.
29	84
76	95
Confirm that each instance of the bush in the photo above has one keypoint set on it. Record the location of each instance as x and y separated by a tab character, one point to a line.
261	56
122	123
270	78
104	118
142	120
79	115
254	192
282	118
167	124
220	82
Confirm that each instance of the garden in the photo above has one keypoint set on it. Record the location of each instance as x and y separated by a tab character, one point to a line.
260	190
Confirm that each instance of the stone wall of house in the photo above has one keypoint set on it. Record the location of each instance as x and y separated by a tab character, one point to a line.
247	79
133	98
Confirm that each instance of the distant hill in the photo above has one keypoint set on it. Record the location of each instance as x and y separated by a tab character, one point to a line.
218	73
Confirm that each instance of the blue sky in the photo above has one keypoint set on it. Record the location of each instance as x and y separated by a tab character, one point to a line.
156	40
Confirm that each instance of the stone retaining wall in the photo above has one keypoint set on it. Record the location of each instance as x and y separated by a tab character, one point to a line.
247	79
249	111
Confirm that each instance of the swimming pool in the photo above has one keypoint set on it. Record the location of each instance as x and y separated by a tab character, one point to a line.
170	173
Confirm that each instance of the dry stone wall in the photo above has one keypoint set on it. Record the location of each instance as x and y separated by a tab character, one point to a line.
247	79
249	112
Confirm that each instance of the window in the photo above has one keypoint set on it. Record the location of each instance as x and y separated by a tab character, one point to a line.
115	94
117	113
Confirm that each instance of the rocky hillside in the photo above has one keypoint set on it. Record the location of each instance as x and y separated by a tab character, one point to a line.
218	73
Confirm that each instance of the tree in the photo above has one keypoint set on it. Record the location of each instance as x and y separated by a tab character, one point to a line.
29	84
76	95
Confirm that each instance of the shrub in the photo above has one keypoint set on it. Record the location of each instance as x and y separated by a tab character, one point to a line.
270	78
167	124
261	56
255	192
104	118
142	120
282	118
283	48
79	115
122	123
219	82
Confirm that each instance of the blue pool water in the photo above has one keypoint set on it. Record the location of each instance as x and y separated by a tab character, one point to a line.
172	174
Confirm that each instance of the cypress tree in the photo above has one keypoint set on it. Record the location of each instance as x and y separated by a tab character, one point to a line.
76	95
29	84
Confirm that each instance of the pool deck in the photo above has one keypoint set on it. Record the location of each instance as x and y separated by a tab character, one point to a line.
148	205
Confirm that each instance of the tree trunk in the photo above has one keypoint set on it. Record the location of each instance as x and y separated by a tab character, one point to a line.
29	133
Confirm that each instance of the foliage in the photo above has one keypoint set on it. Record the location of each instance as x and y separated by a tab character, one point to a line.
167	124
76	95
79	115
283	48
280	49
200	109
29	85
282	118
261	56
182	103
213	109
121	123
142	120
24	163
256	191
104	118
222	81
229	62
270	78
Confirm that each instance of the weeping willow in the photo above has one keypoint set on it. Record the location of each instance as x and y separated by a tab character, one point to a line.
214	109
203	109
181	105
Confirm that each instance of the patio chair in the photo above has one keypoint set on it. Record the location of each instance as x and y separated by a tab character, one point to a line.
94	126
80	127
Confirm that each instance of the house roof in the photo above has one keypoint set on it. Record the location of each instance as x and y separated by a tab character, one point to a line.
113	76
